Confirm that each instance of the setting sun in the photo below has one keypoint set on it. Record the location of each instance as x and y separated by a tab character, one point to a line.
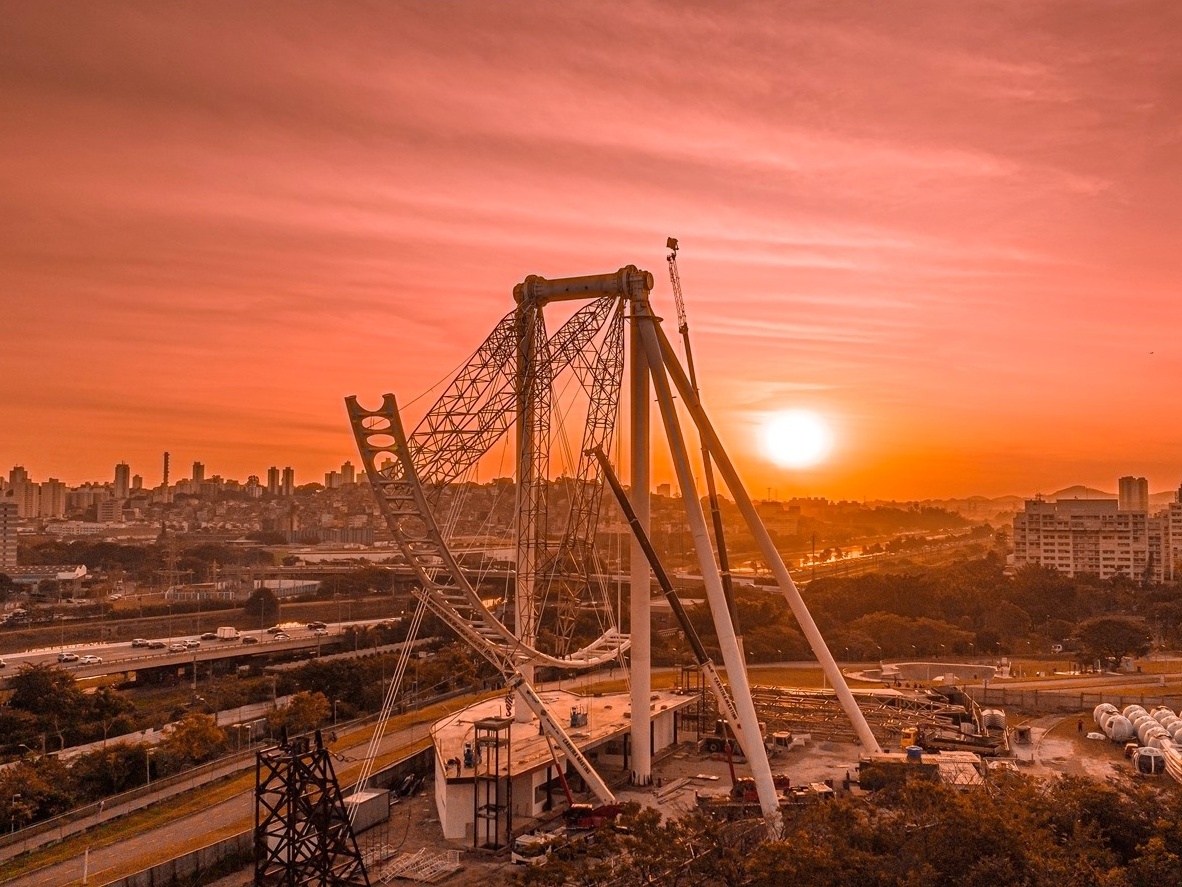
797	439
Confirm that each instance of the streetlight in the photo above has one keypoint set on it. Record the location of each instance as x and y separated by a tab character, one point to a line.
148	752
12	807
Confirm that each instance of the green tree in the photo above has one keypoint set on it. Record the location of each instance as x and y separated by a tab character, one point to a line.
1113	637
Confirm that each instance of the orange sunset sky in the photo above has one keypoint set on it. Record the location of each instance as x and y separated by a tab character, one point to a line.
950	229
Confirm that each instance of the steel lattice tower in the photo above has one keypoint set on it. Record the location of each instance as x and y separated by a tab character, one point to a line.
302	834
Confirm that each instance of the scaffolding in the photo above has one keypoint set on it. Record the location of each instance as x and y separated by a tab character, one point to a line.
492	784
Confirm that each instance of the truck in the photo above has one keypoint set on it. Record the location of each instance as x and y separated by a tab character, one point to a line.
227	633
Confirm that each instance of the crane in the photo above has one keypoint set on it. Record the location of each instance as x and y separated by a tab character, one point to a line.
724	566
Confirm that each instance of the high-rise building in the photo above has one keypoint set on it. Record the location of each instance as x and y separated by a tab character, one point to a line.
1133	494
348	473
110	511
289	481
53	499
8	521
18	475
27	496
1077	536
122	480
273	481
1104	537
137	481
198	475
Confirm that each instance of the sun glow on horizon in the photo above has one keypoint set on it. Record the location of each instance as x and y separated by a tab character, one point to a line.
796	439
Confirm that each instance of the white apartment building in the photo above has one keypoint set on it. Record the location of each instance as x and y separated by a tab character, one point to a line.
1097	536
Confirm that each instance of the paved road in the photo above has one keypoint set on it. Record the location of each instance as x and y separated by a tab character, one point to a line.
142	850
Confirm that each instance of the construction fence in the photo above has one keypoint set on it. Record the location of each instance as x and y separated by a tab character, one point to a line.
1063	701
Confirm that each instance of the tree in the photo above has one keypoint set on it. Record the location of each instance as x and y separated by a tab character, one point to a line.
304	711
46	690
109	707
262	604
108	771
194	738
1114	637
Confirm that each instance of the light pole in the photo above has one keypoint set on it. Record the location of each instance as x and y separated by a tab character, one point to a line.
12	807
148	752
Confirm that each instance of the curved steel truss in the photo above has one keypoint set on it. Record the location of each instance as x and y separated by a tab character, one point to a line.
445	589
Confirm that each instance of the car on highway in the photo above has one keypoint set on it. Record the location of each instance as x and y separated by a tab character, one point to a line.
281	636
313	626
320	632
115	597
192	643
67	657
177	648
209	636
249	639
156	645
91	660
140	642
3	664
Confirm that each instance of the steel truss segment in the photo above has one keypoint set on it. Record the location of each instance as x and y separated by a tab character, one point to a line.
400	496
477	408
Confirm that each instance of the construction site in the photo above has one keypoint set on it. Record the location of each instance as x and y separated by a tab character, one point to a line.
512	773
582	725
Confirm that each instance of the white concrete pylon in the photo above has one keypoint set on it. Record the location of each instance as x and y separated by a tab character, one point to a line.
767	548
750	738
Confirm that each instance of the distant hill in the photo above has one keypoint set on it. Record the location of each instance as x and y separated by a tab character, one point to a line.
1079	491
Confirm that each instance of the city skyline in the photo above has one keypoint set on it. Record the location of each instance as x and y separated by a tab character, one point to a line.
946	230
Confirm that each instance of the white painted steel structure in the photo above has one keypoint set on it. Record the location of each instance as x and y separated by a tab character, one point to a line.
652	366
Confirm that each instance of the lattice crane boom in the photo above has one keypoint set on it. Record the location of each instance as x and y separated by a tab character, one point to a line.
724	565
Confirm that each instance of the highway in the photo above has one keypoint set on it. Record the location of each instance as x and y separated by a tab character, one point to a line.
122	657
